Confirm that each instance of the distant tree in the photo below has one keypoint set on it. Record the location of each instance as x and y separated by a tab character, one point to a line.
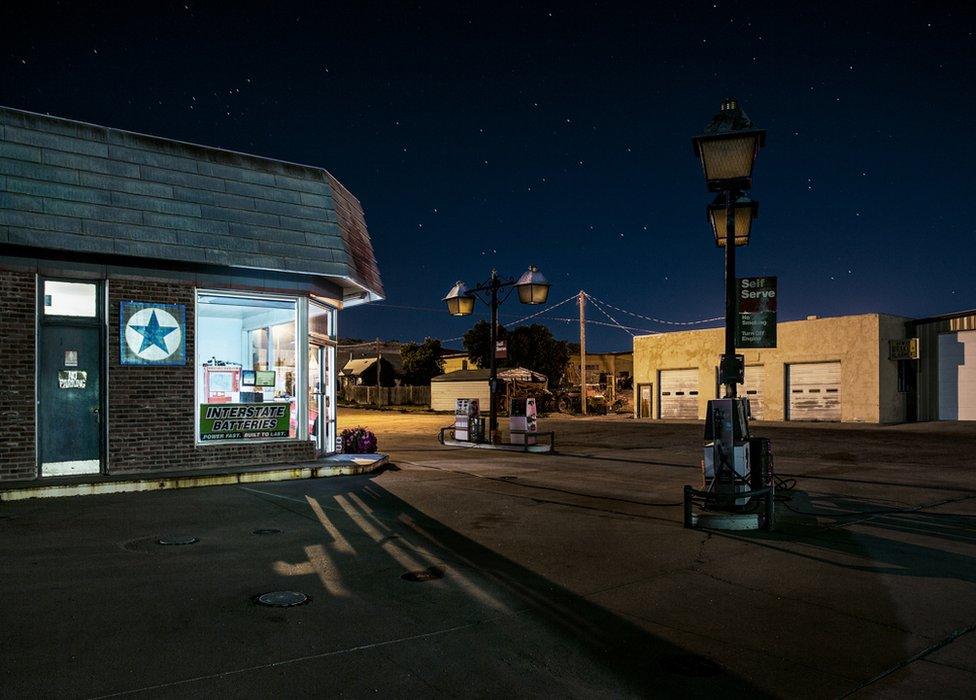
535	348
477	342
421	362
532	347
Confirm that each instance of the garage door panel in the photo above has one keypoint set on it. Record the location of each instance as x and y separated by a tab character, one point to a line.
957	376
679	394
814	391
751	389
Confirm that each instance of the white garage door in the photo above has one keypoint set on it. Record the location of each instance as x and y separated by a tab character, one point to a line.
752	389
679	394
957	376
814	391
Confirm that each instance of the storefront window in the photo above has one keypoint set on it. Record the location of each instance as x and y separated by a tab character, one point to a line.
247	374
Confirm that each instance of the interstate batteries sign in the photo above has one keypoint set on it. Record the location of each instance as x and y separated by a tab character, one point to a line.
244	421
755	320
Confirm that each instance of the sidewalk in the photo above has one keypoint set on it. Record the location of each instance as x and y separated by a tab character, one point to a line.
90	484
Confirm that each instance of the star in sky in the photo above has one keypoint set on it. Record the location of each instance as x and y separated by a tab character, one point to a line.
154	334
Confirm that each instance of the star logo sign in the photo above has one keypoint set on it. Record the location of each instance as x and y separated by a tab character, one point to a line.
153	334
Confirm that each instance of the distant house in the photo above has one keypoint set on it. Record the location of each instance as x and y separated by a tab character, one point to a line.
455	360
363	372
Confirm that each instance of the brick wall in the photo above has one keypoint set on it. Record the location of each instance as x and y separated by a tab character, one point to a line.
17	299
151	409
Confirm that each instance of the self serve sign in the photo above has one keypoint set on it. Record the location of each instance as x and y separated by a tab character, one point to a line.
755	320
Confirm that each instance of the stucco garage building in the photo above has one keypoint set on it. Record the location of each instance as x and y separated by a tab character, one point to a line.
165	305
829	369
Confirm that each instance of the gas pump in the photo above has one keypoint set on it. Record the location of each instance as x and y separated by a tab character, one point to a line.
467	420
737	472
523	421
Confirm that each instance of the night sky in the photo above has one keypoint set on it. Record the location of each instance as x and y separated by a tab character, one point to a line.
559	135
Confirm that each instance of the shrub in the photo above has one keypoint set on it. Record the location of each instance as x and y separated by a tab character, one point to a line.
358	441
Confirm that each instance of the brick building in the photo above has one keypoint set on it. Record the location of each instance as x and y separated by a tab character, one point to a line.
165	305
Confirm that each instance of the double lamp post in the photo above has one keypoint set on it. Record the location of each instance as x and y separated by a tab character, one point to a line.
533	288
727	150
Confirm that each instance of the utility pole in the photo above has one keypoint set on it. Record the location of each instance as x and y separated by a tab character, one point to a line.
613	378
379	364
582	307
493	436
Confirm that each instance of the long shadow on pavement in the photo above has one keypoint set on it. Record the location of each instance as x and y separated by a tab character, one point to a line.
640	663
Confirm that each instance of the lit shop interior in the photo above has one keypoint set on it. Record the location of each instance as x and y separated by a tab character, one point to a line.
250	350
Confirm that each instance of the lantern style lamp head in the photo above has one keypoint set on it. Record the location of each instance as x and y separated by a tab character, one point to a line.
460	302
728	148
533	287
744	210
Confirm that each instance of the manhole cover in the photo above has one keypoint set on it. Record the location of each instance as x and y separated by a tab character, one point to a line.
282	599
429	574
691	665
266	531
178	540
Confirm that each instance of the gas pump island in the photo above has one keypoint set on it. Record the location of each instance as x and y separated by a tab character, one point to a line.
523	427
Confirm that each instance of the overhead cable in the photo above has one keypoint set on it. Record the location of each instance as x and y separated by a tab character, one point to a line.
656	320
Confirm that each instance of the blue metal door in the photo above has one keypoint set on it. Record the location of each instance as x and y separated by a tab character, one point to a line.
69	389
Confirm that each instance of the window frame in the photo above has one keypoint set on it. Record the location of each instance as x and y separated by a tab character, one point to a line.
330	343
301	364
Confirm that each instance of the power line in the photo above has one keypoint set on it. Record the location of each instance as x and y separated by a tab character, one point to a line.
545	310
598	303
657	320
549	308
607	314
602	323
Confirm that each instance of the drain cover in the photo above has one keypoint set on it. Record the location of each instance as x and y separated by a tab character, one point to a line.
178	539
429	574
691	665
265	531
282	599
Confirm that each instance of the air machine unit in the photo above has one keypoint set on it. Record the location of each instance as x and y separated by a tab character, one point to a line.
737	471
523	421
467	420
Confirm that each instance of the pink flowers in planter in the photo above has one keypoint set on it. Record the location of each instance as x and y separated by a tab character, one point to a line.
358	441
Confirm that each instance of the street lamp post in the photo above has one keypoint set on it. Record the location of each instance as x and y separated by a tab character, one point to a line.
736	467
727	150
532	287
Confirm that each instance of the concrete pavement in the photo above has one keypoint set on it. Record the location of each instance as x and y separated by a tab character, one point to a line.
565	575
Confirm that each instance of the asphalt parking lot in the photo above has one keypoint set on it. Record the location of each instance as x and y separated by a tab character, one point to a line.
541	575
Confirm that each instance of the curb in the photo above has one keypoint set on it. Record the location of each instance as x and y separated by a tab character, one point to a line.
165	483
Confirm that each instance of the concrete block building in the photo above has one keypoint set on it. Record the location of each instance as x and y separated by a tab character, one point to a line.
825	369
165	305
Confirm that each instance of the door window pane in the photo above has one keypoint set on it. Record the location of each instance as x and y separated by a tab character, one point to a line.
247	375
70	299
314	393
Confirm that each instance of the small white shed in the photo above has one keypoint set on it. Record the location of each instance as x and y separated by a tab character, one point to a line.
445	389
